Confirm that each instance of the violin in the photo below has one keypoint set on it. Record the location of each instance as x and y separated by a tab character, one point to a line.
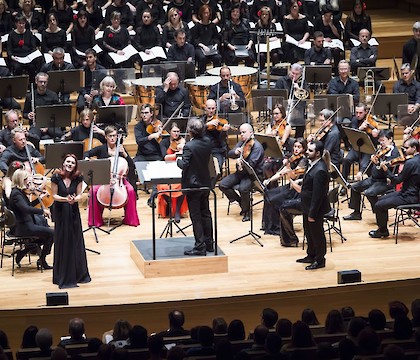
278	129
246	149
324	129
174	145
397	161
38	185
156	127
219	127
371	123
114	195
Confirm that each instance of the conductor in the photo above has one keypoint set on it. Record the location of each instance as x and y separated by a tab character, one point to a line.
195	174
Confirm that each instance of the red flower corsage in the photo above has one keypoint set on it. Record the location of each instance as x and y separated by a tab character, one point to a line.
364	5
21	42
259	13
110	35
74	17
299	3
180	13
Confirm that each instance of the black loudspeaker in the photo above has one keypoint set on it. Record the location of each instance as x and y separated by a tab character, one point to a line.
57	298
349	276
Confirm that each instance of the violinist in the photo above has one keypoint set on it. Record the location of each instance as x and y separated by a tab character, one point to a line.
274	198
103	152
376	184
409	193
17	151
82	132
171	147
329	135
148	138
216	131
251	150
25	219
364	123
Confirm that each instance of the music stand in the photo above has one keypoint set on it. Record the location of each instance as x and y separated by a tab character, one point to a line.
52	116
117	115
337	176
66	81
270	145
181	122
380	73
270	92
318	74
405	118
98	171
260	187
360	140
388	104
13	86
54	153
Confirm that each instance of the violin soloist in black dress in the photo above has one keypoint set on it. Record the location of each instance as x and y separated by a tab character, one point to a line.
70	264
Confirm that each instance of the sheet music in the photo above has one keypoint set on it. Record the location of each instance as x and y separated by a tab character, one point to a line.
334	43
129	51
28	59
275	44
155	52
2	62
161	170
371	42
48	58
306	45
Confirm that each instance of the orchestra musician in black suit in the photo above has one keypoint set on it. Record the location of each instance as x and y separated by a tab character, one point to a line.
195	174
315	204
409	193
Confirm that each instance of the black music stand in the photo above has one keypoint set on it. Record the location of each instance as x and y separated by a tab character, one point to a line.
54	153
405	118
65	81
360	140
318	74
52	116
388	104
379	73
260	187
337	177
13	86
99	173
117	115
270	145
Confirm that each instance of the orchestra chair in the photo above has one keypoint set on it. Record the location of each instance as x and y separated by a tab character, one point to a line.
18	242
28	353
403	213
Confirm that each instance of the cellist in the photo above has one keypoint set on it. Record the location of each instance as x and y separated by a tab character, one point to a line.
83	131
103	152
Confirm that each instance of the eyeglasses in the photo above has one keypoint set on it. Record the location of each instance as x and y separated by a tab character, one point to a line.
276	113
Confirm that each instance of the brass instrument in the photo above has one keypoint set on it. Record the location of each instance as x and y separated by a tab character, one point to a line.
369	86
300	92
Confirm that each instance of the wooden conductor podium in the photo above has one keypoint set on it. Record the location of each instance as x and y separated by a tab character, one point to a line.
165	256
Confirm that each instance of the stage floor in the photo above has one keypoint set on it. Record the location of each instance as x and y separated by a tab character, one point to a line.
252	269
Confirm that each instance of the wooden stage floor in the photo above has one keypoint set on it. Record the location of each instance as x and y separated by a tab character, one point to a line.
263	275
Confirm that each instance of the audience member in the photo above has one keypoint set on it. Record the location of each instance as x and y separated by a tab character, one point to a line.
138	337
334	323
236	330
377	319
393	352
219	326
403	329
76	332
347	349
269	318
301	335
175	353
4	341
368	342
356	325
206	340
28	339
44	341
415	312
176	322
59	354
309	317
397	308
155	345
284	328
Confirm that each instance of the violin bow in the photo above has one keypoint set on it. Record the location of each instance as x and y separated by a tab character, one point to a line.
173	115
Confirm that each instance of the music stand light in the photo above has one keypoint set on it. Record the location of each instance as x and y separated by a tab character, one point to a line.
98	171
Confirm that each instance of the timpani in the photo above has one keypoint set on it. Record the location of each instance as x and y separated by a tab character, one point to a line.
199	89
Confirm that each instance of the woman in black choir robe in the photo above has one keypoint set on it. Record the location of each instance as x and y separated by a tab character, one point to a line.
53	36
70	263
274	198
174	23
94	15
64	15
6	22
34	18
82	37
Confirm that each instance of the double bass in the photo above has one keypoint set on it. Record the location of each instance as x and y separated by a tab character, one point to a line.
115	195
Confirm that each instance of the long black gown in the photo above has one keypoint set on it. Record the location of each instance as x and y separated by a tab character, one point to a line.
70	264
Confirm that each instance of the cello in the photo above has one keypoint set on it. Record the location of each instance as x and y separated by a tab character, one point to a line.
91	141
114	195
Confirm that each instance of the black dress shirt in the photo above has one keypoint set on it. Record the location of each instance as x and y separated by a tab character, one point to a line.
412	89
337	86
